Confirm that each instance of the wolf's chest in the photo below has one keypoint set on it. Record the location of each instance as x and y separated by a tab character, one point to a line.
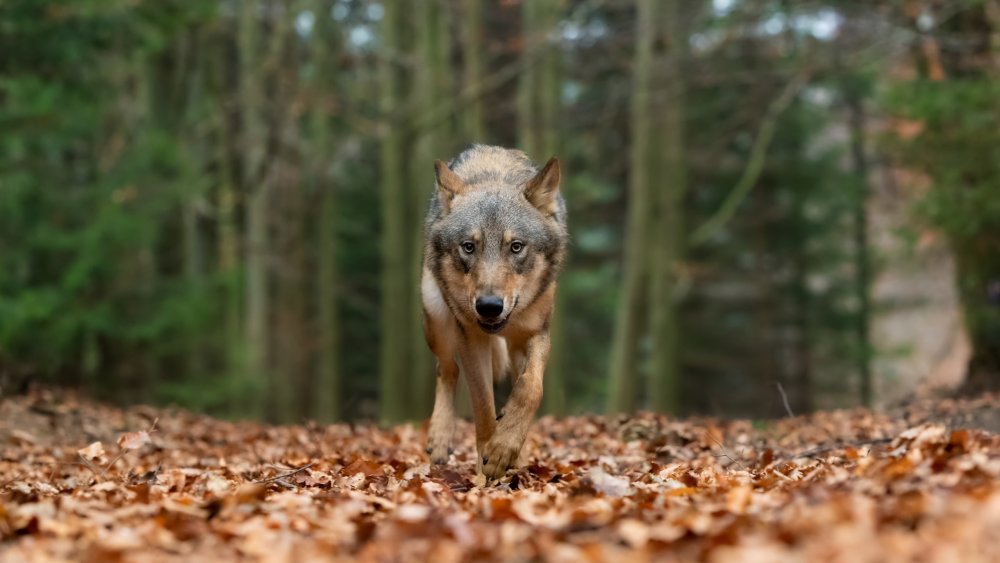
433	299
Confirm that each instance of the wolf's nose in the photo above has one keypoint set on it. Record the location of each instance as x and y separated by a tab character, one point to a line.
489	307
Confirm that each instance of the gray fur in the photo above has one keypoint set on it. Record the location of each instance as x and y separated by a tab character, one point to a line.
485	166
494	204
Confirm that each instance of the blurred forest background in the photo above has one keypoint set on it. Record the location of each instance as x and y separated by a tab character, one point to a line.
219	203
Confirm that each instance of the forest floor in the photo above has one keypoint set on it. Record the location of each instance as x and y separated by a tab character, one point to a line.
85	481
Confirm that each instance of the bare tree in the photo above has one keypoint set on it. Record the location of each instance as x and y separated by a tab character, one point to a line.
628	320
396	270
667	243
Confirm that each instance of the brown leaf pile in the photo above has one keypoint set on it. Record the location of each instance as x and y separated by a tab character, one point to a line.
80	481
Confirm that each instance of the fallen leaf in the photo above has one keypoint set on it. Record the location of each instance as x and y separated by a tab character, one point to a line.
217	486
738	498
23	437
633	532
607	484
94	451
133	440
413	512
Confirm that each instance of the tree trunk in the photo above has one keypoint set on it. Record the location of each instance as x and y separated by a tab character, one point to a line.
288	325
195	255
979	267
287	382
473	47
395	248
432	84
548	120
473	125
622	368
800	368
256	220
527	86
226	77
666	247
194	273
326	396
978	261
173	86
326	404
859	227
764	361
228	265
256	284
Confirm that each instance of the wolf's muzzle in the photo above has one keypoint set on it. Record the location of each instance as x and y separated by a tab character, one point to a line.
489	307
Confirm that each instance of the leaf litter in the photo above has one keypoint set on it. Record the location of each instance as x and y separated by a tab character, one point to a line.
81	481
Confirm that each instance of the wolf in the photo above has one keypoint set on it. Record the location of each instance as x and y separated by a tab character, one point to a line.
495	240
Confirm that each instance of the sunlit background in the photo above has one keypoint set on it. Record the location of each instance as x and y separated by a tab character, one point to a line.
774	206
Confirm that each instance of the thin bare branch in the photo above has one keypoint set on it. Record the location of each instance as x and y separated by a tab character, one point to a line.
288	474
725	453
830	447
784	399
755	165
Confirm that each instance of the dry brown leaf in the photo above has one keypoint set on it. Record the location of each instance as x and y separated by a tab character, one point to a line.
607	484
22	436
133	440
870	485
94	451
633	532
738	498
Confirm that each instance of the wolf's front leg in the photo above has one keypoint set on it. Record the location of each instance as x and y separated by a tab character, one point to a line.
442	426
503	449
477	364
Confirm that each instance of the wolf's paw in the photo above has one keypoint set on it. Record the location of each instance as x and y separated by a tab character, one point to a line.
439	450
501	453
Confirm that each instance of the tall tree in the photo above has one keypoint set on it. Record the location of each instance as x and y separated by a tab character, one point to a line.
628	320
227	202
550	104
282	218
188	87
666	247
473	54
473	49
432	83
252	139
856	120
324	42
539	119
800	365
396	269
528	116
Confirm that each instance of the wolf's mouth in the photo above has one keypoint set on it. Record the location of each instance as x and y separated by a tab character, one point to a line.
494	327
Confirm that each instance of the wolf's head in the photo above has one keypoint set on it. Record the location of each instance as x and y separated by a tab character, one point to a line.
498	238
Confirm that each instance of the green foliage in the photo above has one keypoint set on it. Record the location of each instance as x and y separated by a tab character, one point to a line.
959	147
84	280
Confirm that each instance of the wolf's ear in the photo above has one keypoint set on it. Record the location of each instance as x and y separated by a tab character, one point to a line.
543	190
449	184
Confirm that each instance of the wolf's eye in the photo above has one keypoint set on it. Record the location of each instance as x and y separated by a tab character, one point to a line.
516	246
469	247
